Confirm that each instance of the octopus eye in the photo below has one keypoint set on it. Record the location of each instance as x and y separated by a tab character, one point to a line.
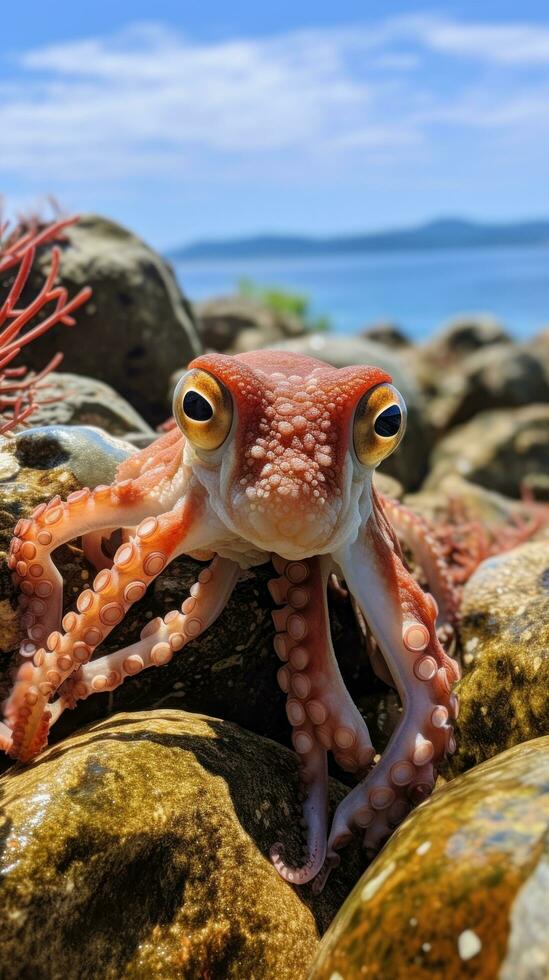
203	409
379	424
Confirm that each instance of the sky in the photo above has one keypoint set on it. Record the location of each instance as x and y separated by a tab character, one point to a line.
187	121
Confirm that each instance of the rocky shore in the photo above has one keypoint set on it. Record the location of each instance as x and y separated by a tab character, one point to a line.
138	846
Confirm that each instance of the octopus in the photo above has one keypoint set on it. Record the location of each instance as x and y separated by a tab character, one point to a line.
272	459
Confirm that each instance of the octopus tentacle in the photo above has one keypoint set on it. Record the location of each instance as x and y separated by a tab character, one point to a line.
300	633
159	639
319	707
402	618
136	564
310	675
50	526
148	483
417	534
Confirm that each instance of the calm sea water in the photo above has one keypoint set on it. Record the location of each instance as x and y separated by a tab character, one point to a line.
417	290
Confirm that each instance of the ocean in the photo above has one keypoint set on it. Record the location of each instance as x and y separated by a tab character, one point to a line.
417	290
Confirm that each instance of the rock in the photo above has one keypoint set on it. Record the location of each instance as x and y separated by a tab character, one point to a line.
408	463
79	400
505	637
501	450
539	347
463	335
90	453
230	671
460	890
499	376
137	325
388	334
140	849
236	324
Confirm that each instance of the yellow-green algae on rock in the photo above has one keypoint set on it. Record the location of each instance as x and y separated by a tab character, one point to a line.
460	891
139	849
504	693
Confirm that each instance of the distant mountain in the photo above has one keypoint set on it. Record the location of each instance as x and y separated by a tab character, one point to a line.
444	233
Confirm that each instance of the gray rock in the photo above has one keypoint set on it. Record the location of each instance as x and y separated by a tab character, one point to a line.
464	334
499	376
136	326
502	450
73	399
388	334
237	324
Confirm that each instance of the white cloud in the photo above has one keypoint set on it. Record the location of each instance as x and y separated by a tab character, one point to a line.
149	102
508	44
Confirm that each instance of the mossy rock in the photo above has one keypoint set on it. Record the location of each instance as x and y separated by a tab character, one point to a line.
139	849
505	635
460	890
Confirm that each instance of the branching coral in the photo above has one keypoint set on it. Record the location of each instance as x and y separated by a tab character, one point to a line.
20	325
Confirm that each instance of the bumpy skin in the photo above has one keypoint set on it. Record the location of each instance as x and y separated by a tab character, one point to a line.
285	484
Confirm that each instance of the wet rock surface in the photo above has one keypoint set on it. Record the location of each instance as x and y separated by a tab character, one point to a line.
136	326
139	848
505	636
459	889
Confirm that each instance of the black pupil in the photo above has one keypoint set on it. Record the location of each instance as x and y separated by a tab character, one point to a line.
388	423
197	407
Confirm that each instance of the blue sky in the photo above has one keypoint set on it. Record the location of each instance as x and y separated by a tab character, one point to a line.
214	119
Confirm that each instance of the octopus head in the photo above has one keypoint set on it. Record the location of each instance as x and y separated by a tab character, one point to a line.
286	445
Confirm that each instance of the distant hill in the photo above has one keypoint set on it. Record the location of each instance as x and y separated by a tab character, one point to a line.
444	233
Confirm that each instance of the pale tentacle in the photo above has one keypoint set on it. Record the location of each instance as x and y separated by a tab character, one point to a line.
417	534
159	639
300	636
311	674
149	491
402	618
318	707
136	564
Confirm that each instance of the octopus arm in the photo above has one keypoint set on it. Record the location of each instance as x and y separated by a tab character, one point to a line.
319	707
417	534
159	640
137	562
402	619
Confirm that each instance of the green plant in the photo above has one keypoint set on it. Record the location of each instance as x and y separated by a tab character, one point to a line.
284	301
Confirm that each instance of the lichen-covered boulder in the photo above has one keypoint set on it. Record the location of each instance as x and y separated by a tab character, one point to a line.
137	324
140	849
460	890
505	636
236	324
501	450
